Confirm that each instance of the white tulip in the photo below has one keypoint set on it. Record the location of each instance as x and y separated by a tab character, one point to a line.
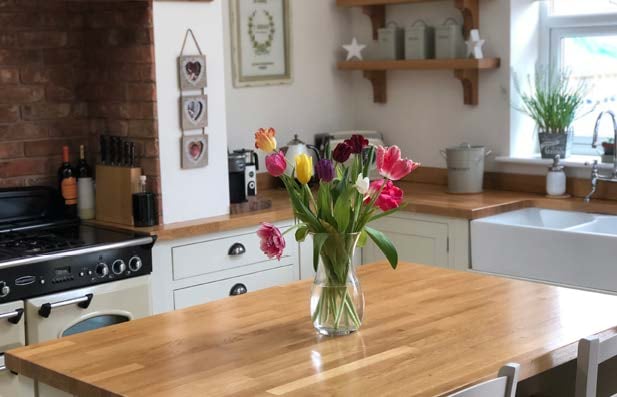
362	184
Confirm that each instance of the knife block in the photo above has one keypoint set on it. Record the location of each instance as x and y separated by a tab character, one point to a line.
114	193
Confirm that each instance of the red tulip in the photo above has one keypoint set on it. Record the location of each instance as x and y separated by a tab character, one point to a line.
272	241
341	152
276	164
391	165
357	143
389	198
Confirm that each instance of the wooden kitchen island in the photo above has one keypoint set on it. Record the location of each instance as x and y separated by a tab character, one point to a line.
427	332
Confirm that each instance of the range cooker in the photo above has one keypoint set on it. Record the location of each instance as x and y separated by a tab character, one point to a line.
60	277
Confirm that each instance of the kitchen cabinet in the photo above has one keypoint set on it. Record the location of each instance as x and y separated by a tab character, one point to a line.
425	239
196	270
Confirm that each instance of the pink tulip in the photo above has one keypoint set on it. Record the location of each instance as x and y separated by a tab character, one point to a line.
272	241
389	198
276	164
391	165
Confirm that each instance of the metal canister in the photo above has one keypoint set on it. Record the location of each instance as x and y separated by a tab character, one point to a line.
465	168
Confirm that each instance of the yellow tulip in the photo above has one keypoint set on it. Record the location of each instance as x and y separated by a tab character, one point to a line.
304	168
265	140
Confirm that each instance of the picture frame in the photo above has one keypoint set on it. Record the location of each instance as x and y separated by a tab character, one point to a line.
194	111
261	42
192	71
194	151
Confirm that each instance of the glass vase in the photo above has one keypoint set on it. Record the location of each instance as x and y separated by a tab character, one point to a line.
337	301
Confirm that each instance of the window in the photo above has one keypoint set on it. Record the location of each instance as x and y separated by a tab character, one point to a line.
581	36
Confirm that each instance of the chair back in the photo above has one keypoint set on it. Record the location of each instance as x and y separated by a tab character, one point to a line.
502	386
592	353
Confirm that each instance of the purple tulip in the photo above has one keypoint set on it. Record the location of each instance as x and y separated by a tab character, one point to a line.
325	170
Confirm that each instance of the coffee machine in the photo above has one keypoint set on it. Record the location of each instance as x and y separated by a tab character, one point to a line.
243	167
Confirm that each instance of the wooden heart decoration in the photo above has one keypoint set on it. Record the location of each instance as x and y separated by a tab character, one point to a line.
193	71
195	150
194	109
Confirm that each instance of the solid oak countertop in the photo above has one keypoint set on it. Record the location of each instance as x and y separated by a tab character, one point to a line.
427	332
421	198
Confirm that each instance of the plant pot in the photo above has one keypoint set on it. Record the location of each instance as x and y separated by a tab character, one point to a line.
552	145
609	148
337	300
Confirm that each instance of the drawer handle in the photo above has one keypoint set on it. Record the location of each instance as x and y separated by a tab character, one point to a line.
236	250
83	302
238	289
13	317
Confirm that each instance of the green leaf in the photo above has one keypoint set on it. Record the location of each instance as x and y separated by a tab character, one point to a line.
384	244
301	233
386	213
318	241
362	239
341	211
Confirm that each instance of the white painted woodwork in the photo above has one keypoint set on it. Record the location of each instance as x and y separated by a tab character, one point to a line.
202	262
426	239
221	289
502	386
592	353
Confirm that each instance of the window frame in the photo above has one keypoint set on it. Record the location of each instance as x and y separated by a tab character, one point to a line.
554	28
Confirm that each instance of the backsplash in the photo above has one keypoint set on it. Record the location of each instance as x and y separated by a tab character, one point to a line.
69	71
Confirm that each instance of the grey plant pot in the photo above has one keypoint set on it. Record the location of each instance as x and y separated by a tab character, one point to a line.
555	144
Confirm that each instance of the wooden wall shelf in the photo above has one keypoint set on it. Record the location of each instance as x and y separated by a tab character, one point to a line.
465	70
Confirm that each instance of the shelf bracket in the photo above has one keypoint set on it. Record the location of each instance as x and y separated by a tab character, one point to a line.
471	14
378	80
469	80
378	17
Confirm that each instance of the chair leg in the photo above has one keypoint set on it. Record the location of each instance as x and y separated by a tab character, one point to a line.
587	367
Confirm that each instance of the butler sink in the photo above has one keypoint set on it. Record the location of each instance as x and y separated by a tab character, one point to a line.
568	248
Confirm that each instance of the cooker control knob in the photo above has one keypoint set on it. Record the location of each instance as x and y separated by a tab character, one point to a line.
135	263
102	270
118	267
4	289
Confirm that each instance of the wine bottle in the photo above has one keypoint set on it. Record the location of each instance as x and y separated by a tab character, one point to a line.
83	168
67	182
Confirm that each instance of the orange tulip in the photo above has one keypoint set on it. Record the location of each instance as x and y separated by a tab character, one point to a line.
265	140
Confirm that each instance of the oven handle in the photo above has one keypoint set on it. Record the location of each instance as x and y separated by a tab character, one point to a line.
82	302
13	317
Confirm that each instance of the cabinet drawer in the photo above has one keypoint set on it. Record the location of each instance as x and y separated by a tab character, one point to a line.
215	255
220	289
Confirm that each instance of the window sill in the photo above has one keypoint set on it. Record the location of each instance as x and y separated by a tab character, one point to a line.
576	161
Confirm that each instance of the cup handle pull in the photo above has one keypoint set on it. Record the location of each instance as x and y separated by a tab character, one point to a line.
443	154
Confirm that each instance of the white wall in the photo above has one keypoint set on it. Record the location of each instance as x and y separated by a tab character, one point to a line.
320	99
425	110
199	193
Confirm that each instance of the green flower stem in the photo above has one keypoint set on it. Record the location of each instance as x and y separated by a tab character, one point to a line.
336	303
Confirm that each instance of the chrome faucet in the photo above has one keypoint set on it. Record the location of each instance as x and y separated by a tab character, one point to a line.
595	173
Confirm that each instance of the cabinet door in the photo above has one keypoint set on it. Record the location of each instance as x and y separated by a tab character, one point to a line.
416	241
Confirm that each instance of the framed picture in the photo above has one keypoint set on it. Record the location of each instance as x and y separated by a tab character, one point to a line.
194	151
194	110
260	42
192	72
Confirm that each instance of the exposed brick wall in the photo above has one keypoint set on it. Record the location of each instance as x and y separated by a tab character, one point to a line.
71	70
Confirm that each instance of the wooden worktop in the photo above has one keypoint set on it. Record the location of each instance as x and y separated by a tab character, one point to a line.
427	332
421	197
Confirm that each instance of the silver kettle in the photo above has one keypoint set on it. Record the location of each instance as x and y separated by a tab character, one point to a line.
296	147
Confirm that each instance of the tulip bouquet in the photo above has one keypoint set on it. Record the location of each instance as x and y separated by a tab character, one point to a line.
337	216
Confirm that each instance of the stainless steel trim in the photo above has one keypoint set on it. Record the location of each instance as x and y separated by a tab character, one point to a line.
68	302
2	363
79	251
9	315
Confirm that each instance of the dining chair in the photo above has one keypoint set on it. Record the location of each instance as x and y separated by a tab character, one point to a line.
502	386
592	353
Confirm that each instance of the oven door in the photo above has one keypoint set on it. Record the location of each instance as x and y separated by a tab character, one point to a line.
12	335
72	312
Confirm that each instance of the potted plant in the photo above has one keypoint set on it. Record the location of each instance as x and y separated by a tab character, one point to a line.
554	103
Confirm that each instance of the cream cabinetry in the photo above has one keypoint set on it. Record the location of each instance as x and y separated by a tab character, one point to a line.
201	269
425	239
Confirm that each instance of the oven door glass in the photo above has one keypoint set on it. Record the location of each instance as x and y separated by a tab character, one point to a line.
93	323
